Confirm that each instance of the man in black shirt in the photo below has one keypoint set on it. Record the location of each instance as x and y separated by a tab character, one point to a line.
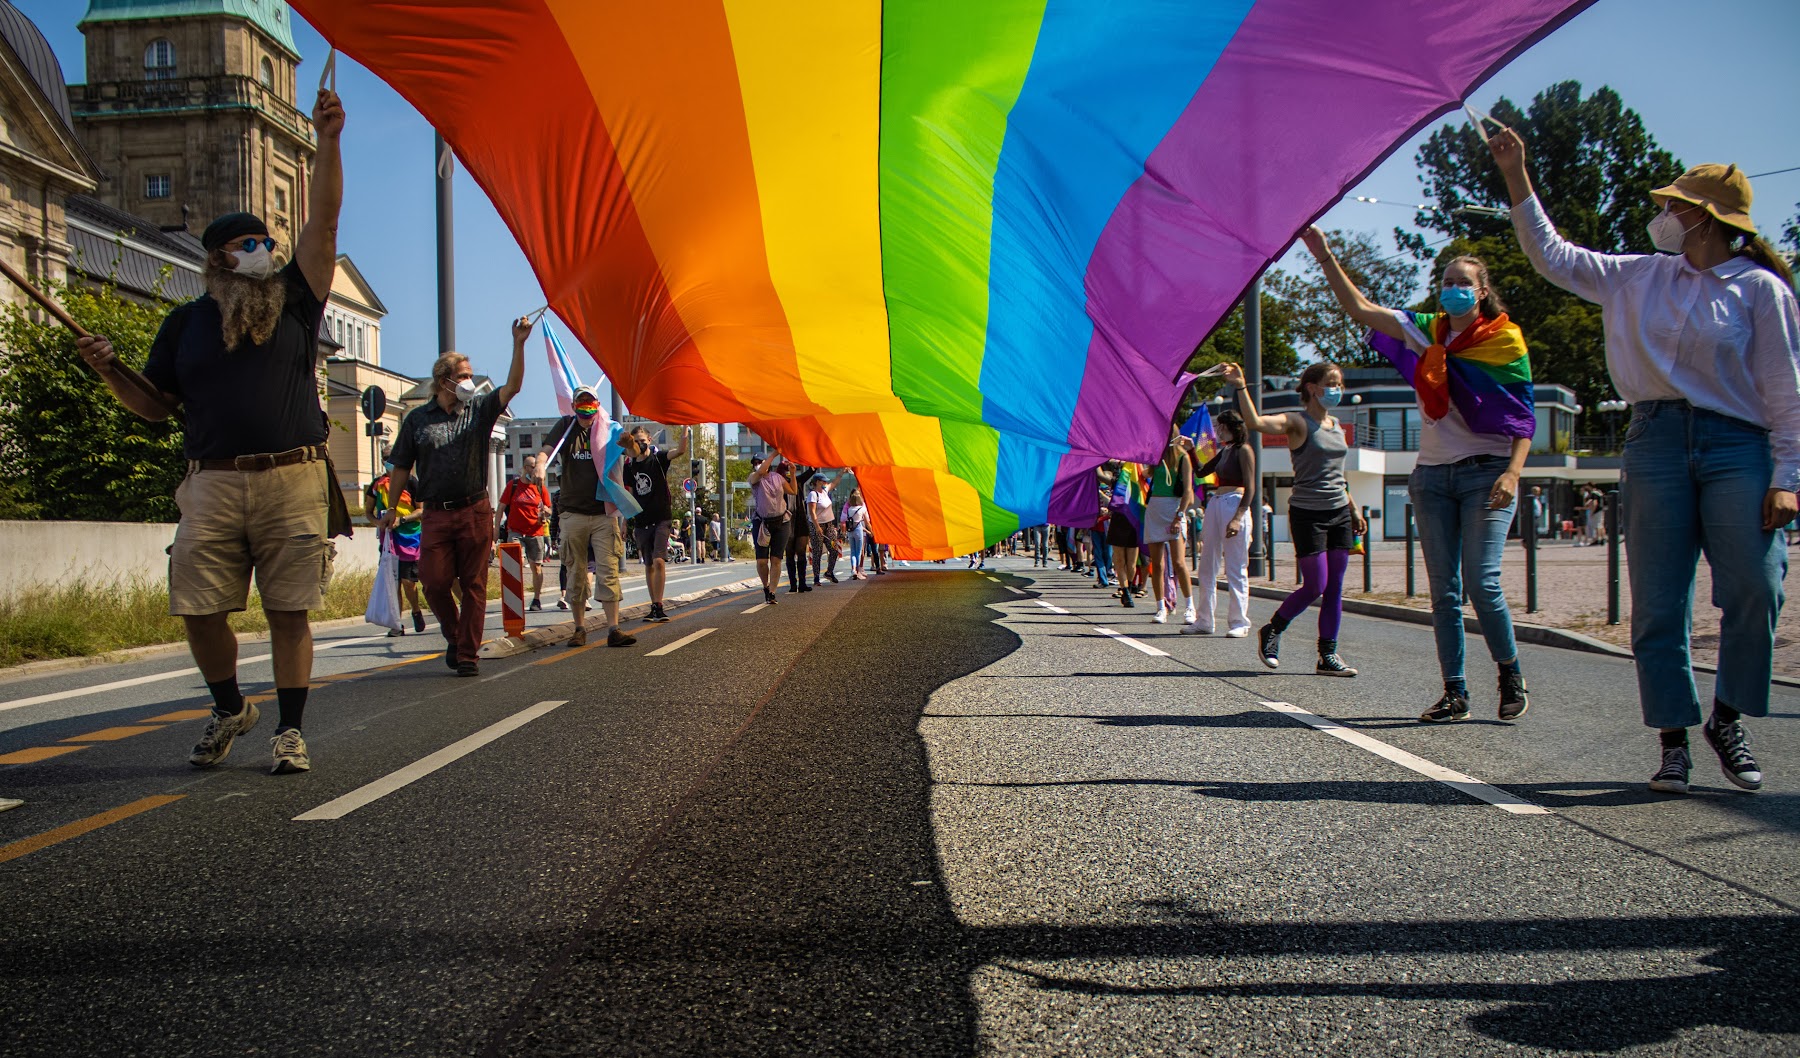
647	476
241	363
447	438
588	521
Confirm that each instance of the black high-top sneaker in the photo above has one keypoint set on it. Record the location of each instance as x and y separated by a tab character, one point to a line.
1329	662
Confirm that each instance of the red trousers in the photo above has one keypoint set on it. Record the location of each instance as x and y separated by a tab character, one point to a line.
454	550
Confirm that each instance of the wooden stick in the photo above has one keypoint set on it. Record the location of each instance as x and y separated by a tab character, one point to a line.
129	373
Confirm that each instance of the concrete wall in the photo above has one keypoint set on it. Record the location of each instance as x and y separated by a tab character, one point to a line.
52	553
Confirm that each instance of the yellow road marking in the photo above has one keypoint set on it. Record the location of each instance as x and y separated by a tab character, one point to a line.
37	753
180	714
82	826
110	734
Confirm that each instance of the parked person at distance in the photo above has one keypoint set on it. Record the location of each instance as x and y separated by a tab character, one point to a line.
1322	516
1703	341
1225	531
1471	373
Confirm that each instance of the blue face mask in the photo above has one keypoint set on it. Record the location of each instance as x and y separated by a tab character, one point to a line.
1329	396
1457	301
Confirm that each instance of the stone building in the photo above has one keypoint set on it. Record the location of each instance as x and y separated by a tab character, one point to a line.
190	110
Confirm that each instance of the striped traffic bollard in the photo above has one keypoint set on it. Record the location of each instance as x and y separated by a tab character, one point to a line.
512	589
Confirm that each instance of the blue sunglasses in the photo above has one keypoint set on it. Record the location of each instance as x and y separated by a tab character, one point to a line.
249	245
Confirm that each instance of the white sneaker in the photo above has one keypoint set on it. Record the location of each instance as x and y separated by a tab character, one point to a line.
290	752
1192	628
1238	633
1162	614
1190	616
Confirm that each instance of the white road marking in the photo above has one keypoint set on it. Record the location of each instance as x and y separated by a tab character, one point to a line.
682	642
996	580
1130	642
136	681
758	606
1456	780
1012	589
1048	606
340	807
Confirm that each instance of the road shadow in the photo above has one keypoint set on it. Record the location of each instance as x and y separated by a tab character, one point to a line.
1424	792
1249	718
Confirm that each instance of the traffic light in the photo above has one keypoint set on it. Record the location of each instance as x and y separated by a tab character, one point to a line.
697	471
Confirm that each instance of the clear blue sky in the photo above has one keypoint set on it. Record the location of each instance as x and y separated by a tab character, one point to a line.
1713	83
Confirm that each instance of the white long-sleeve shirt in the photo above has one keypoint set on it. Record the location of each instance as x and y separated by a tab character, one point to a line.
1726	339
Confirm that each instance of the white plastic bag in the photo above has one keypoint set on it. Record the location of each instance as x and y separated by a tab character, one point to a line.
384	597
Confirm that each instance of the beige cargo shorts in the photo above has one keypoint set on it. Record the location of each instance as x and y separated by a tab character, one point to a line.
234	523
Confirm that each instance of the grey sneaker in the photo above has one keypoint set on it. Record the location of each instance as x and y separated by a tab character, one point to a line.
1450	708
215	741
1672	777
290	752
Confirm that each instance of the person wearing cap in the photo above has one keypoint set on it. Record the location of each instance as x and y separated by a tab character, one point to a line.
1703	340
587	520
241	362
446	440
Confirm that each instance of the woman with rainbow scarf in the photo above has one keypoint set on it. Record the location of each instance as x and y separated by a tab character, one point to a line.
1469	367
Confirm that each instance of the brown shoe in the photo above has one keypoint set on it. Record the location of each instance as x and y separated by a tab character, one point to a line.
579	639
617	638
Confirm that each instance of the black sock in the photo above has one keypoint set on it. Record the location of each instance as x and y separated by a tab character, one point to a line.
227	699
1677	737
1278	623
1510	666
1723	714
293	702
1327	646
1458	686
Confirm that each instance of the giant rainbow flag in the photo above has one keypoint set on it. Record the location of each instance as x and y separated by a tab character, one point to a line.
964	247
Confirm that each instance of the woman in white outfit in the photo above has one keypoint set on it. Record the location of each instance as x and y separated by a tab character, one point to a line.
1224	531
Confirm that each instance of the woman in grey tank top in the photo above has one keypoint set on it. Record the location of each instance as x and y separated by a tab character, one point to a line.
1322	517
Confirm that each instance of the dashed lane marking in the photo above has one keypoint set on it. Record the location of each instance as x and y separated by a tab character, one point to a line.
340	807
37	753
1134	644
682	642
1012	589
1456	780
758	606
110	734
61	834
138	681
1052	608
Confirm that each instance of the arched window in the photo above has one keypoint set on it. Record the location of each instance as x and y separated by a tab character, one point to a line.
266	73
159	60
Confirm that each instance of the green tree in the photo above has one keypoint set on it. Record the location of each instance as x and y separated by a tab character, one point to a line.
1319	323
1593	164
1790	232
1226	342
68	448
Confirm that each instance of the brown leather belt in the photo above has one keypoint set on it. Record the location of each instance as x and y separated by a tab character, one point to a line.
454	505
262	461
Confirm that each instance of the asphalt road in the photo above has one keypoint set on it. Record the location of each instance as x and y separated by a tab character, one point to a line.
924	814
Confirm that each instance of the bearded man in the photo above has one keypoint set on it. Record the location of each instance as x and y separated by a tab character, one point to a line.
242	362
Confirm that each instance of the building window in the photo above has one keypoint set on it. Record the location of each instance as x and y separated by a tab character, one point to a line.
525	441
265	72
156	186
281	200
159	60
509	464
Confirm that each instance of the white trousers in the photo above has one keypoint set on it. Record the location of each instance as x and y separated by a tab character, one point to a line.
1233	553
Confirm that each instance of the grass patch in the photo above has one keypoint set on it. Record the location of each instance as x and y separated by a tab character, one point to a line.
75	621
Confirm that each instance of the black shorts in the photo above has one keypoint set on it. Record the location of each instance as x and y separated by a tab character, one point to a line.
1317	531
652	541
778	537
1121	533
408	570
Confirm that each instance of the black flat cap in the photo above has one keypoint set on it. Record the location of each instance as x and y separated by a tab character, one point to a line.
231	226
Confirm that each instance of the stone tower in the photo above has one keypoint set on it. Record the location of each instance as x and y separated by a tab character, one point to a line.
191	109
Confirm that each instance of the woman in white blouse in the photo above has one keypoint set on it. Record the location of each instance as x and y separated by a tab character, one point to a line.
1703	340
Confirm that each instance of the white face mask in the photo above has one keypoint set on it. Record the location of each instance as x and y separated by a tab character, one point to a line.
1667	233
257	264
465	390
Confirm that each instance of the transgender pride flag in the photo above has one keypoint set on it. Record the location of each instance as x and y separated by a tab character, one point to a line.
562	373
603	433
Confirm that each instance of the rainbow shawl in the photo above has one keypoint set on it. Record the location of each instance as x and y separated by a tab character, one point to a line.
1128	496
409	530
1485	372
962	247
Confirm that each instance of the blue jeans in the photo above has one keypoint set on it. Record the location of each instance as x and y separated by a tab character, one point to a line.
1463	543
1102	556
856	548
1693	483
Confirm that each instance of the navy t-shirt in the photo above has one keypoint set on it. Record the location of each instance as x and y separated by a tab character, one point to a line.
249	400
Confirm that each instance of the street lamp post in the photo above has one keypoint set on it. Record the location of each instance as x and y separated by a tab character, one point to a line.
1611	409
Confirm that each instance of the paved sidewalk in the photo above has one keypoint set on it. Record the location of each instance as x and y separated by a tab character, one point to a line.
1571	595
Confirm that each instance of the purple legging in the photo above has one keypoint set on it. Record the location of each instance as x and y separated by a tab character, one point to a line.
1320	574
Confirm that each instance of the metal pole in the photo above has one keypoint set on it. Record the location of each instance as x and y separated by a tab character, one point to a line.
724	501
1530	542
1368	552
446	254
1410	534
1259	539
1612	557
